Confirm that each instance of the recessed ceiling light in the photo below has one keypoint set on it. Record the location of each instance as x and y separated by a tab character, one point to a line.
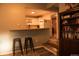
33	12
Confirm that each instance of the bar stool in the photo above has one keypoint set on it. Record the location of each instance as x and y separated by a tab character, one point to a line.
28	43
20	45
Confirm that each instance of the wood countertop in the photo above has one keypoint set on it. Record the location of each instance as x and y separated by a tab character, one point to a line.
29	29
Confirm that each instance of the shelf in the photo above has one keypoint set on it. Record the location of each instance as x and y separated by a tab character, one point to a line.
77	25
73	18
69	12
70	32
70	39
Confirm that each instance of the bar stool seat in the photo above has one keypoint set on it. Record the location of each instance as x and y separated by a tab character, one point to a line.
28	43
14	44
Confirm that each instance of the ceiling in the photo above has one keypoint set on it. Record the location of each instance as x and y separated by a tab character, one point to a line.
38	9
41	9
38	12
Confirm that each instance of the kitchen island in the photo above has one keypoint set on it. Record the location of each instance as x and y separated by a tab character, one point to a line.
39	35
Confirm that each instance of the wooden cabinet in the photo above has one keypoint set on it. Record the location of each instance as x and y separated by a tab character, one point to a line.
69	32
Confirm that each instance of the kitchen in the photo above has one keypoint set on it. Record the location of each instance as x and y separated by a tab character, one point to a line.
27	20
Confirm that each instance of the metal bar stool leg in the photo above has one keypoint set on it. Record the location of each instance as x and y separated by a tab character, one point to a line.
32	45
13	47
21	47
26	45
